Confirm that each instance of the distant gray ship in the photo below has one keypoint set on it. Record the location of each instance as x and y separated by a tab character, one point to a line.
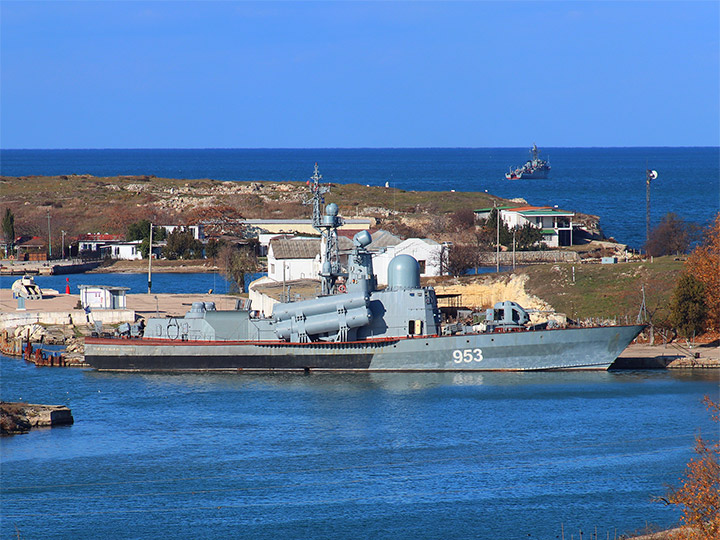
535	168
361	328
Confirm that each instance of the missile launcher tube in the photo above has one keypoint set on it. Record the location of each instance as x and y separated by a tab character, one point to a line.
323	323
317	306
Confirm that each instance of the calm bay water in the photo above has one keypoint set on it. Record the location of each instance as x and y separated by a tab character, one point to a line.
171	283
496	455
608	182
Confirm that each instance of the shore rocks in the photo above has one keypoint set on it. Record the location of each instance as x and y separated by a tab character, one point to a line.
17	418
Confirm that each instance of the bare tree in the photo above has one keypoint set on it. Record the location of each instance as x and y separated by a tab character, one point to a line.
235	263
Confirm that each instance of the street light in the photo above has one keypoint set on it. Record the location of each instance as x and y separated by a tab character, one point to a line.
49	240
63	244
150	261
649	176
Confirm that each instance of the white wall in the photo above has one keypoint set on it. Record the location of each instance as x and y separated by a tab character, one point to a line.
426	253
100	298
259	301
290	269
196	230
128	252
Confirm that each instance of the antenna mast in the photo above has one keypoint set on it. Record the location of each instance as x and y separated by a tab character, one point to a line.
326	224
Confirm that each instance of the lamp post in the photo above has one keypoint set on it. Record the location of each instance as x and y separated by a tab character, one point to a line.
497	239
649	176
514	230
150	261
63	245
49	239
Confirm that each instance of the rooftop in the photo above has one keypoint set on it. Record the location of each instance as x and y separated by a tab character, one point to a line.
529	210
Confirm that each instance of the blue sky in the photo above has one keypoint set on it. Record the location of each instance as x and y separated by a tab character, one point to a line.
346	74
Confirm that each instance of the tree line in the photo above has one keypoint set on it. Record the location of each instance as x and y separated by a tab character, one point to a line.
475	236
234	262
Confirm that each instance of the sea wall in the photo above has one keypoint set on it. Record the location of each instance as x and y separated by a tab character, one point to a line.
489	258
76	317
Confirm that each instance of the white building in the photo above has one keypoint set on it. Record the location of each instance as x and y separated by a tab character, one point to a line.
556	224
128	251
302	226
112	246
427	253
291	258
103	296
94	242
197	231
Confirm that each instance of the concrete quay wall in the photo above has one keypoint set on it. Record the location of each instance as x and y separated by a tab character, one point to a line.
76	317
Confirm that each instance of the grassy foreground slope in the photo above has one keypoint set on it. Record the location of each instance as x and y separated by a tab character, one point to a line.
606	291
597	291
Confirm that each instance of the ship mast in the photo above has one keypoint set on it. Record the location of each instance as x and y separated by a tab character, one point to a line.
317	195
326	224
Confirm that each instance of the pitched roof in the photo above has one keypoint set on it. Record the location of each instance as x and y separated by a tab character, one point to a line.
295	248
284	247
101	237
529	210
383	239
35	241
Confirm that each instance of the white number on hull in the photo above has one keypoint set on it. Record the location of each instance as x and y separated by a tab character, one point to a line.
467	355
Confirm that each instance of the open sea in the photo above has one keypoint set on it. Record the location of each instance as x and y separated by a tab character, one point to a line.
387	456
607	182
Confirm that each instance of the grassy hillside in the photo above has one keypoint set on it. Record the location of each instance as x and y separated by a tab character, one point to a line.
83	203
606	291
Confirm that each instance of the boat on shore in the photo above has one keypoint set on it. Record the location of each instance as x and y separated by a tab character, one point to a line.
356	326
534	168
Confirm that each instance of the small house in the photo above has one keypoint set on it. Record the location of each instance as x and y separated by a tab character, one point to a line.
103	296
556	224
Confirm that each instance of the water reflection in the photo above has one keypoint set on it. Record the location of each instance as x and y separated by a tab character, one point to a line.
402	381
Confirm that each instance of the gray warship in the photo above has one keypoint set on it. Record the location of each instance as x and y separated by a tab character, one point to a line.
356	326
534	168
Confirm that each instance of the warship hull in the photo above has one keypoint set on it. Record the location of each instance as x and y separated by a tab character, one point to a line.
557	349
540	174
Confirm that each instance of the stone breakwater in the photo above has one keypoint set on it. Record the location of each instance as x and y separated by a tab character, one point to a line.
19	342
18	418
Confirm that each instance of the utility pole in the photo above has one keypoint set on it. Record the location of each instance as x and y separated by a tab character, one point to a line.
49	239
514	229
497	239
150	262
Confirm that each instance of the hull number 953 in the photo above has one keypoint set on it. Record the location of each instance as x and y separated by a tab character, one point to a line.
467	355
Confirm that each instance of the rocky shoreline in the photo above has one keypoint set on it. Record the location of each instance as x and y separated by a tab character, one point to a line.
18	418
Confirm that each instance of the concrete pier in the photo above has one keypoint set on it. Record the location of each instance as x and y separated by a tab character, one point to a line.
669	356
46	268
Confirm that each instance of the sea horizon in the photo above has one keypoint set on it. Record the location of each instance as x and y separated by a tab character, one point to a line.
609	182
358	147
